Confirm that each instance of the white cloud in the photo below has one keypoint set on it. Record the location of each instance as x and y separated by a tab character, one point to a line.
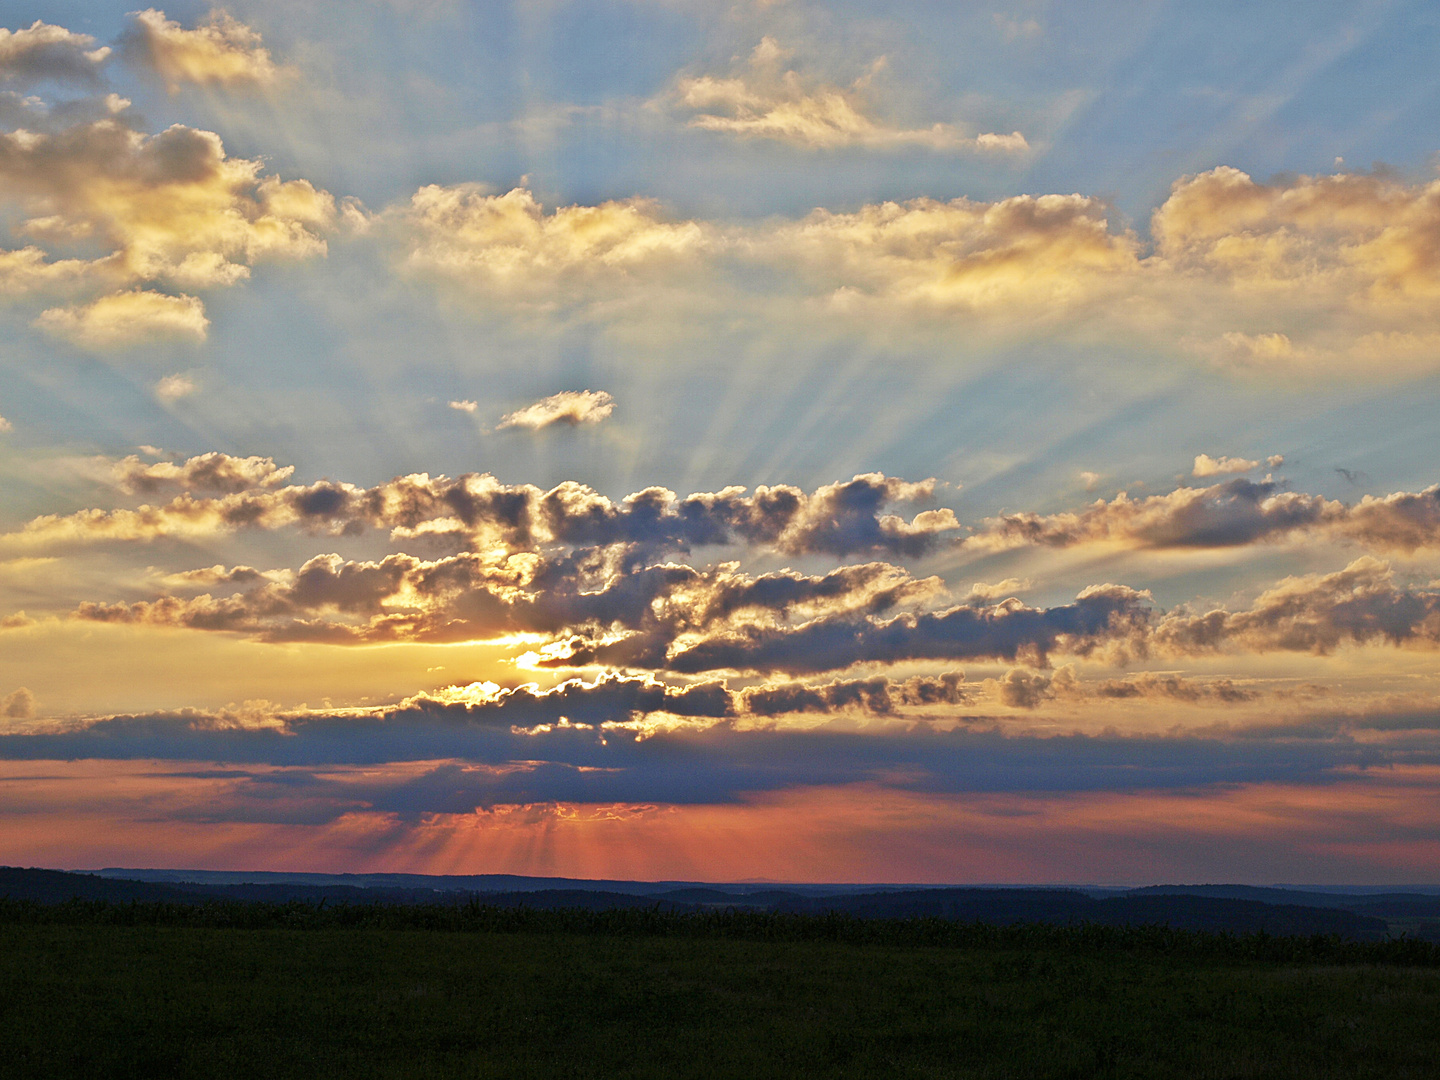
174	387
571	407
766	99
1205	465
128	318
508	245
466	406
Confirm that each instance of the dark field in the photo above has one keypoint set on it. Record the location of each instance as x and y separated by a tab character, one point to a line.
102	991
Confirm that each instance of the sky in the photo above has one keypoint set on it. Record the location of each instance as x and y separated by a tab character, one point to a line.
655	439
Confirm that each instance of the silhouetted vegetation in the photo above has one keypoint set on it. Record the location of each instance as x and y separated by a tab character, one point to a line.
476	916
298	990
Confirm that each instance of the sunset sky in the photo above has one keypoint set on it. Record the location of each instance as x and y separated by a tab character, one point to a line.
925	441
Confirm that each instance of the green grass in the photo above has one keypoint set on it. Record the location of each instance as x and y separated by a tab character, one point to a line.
122	991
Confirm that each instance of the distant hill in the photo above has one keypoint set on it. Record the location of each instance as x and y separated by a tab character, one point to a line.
1232	908
57	886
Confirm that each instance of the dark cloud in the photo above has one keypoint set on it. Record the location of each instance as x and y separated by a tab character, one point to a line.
1238	511
1101	615
212	472
41	52
1315	613
844	519
19	704
1024	689
1030	689
305	772
583	597
477	510
1234	513
880	696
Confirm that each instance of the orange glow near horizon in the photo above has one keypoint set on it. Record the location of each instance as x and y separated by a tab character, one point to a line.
1367	828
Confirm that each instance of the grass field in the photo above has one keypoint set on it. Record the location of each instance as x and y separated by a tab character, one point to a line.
138	997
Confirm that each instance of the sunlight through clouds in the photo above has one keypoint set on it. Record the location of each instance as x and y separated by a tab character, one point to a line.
757	440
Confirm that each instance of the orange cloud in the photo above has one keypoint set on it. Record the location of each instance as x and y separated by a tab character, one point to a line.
1364	827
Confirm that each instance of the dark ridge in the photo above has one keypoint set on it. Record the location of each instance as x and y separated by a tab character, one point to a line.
1180	908
57	886
1214	914
730	924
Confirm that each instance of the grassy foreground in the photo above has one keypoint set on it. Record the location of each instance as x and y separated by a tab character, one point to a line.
131	991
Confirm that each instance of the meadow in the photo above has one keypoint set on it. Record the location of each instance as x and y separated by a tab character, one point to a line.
295	990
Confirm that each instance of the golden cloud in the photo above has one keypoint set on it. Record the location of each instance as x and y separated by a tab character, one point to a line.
1205	465
127	318
1329	273
570	407
174	204
507	244
222	52
767	100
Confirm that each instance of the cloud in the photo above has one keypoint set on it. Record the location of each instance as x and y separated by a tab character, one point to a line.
1235	512
464	406
1022	689
1324	273
496	748
5	425
173	206
508	246
476	509
1050	252
222	52
1302	232
44	52
18	705
1314	613
581	602
879	696
767	100
1264	350
610	699
1105	615
205	472
174	387
128	318
29	269
852	517
572	407
1359	605
1000	590
1205	465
